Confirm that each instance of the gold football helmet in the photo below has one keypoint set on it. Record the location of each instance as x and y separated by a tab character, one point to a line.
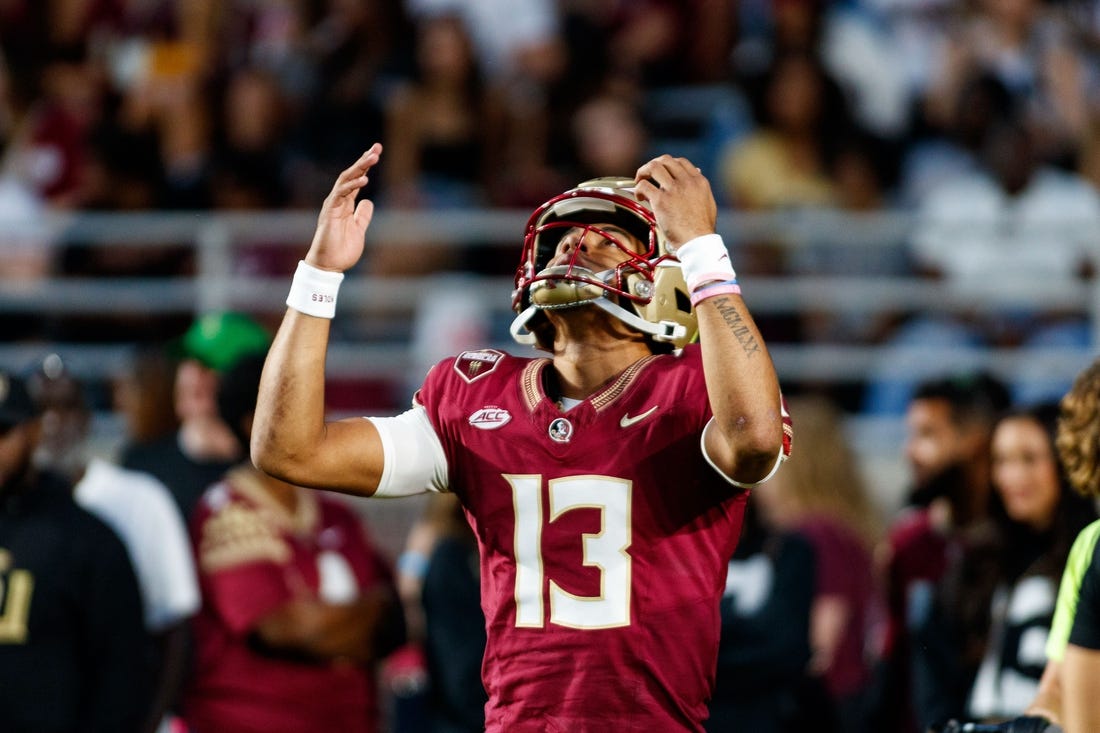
646	291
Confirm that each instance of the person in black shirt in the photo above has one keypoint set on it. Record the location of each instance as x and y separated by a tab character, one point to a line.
73	650
198	454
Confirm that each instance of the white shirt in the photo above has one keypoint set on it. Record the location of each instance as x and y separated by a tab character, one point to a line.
140	510
978	236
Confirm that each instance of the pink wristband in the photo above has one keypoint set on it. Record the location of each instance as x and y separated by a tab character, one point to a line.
729	287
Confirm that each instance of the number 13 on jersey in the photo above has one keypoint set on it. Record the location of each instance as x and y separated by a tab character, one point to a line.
606	550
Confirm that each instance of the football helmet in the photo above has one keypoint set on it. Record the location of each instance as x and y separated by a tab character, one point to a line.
646	290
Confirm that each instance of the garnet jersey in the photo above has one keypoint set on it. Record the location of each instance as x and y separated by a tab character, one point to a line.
604	537
255	556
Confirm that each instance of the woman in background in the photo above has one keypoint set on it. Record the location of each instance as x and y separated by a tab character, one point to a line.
823	498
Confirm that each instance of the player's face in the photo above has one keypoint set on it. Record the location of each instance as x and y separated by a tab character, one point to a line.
934	441
588	248
1024	471
196	391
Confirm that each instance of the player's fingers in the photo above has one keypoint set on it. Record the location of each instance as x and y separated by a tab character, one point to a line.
359	168
681	168
656	170
364	210
645	190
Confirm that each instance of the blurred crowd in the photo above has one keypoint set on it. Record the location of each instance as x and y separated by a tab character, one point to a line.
979	117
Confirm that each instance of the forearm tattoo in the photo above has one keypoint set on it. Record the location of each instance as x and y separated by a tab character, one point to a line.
737	326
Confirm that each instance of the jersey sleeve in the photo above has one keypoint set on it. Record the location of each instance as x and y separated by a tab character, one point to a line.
243	563
1081	557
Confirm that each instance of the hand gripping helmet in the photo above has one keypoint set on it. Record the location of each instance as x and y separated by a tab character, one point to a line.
646	291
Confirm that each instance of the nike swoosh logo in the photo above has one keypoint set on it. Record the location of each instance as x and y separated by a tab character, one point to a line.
626	421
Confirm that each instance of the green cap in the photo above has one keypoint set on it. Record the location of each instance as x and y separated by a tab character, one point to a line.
219	340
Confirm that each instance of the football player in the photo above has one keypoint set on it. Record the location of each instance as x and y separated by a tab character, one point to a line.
606	482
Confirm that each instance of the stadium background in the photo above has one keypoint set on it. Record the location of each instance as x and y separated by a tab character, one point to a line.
162	160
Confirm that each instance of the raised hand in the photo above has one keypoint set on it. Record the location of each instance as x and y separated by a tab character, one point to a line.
342	224
680	196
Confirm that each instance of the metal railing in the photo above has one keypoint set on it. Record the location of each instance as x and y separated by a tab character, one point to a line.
215	238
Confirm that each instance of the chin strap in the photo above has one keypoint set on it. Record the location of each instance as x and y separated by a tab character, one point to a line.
518	329
660	331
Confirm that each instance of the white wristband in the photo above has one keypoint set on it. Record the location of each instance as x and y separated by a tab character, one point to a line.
313	291
705	259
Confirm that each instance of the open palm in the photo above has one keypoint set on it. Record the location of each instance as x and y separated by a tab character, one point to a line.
342	223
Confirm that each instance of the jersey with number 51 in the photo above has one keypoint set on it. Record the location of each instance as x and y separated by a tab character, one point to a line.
604	535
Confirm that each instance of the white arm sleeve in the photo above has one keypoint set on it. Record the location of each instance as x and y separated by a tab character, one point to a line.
413	457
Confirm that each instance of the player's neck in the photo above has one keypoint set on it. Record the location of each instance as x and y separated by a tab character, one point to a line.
582	368
591	347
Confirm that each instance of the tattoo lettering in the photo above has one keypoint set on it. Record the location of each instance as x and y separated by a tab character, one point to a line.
740	329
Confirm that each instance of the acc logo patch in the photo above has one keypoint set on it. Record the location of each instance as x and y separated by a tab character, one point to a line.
490	418
472	365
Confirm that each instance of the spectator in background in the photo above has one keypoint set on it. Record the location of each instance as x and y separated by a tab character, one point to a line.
143	395
438	578
140	511
646	41
518	43
73	648
1027	48
862	172
445	126
25	252
949	423
785	162
1065	695
996	231
609	135
53	150
447	131
254	163
297	605
353	50
454	625
981	650
521	53
250	160
770	29
1078	446
204	447
763	682
824	500
954	148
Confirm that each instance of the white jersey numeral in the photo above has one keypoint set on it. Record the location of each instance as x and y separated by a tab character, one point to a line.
606	550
